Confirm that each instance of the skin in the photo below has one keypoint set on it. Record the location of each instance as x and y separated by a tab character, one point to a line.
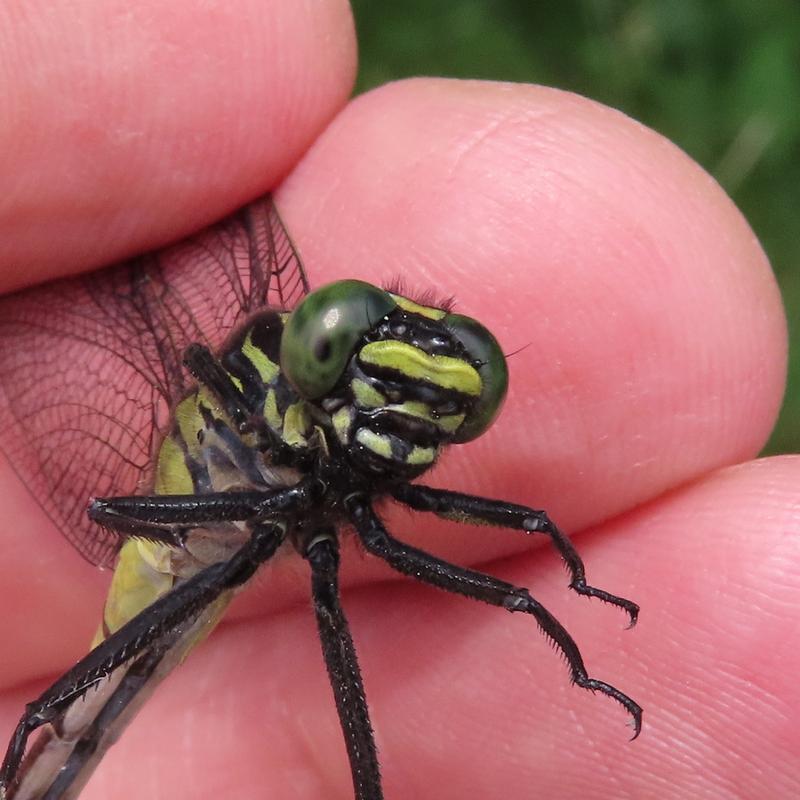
650	366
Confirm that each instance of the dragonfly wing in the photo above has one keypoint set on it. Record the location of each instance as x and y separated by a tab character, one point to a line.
91	366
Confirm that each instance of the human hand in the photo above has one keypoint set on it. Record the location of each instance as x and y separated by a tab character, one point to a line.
653	358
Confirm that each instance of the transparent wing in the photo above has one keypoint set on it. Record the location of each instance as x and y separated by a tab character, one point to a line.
91	366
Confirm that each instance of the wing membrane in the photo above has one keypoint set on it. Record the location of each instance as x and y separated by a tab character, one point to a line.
91	366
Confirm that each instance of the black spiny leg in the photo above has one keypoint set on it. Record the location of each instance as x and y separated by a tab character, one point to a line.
429	569
164	517
85	747
147	629
345	676
482	511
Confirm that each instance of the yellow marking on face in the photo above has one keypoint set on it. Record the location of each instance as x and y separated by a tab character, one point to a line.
421	455
367	395
444	371
341	420
416	308
296	424
172	474
450	423
265	366
375	441
414	408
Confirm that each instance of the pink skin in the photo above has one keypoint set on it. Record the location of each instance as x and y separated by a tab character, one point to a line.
651	358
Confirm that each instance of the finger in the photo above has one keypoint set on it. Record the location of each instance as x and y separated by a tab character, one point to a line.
646	326
474	702
133	124
713	660
642	370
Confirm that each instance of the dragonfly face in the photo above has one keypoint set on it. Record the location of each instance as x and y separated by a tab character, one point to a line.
393	380
309	412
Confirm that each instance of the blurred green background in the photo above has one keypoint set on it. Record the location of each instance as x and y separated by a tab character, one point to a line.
721	79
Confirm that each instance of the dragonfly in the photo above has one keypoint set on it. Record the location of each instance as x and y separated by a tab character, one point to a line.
222	414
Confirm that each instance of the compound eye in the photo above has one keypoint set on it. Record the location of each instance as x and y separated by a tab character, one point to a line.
488	359
321	333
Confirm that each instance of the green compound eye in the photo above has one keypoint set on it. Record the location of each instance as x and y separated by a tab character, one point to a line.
320	334
490	362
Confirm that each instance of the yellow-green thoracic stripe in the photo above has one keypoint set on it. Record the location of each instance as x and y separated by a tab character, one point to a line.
443	371
267	369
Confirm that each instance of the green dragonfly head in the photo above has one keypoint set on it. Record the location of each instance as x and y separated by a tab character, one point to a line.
396	378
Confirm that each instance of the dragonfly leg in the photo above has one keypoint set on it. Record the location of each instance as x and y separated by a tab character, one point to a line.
208	371
343	671
483	511
164	517
76	769
144	631
478	586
